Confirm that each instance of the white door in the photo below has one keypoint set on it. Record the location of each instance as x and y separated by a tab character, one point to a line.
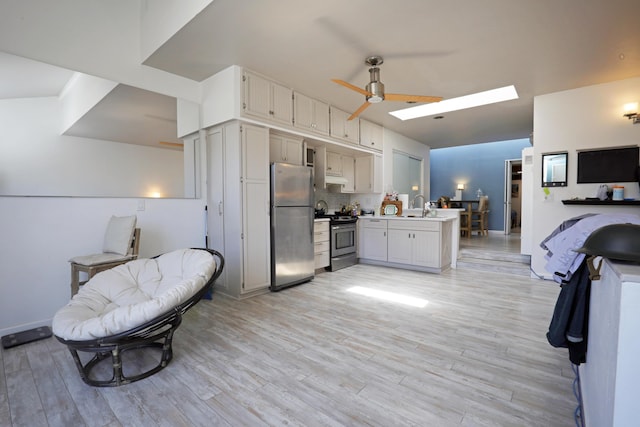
373	243
507	196
257	95
426	248
255	209
512	194
399	246
215	197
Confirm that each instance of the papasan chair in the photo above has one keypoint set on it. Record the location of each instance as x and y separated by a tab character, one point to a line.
134	307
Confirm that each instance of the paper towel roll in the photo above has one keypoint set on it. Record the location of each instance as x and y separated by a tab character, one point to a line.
404	198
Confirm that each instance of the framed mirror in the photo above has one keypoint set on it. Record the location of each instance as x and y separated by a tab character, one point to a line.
554	169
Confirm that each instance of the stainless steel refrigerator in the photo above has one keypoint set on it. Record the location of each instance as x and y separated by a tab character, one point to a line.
292	215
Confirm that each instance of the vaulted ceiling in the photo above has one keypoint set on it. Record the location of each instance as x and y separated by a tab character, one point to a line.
442	48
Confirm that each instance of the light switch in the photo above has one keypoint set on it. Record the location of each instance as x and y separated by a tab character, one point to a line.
141	204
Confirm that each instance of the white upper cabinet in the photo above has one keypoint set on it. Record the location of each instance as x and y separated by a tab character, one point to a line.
371	135
267	99
310	114
348	173
285	149
368	174
334	164
346	130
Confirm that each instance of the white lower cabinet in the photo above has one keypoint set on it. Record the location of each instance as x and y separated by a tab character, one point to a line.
238	205
372	238
414	247
423	244
400	246
610	378
321	248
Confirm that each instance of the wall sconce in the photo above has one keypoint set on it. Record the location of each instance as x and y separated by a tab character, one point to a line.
631	112
415	188
459	191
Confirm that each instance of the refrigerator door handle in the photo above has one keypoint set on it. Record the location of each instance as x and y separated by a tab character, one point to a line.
313	220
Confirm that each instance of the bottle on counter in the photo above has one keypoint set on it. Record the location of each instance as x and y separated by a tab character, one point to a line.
356	209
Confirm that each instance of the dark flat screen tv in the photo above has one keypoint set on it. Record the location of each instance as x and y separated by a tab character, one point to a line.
608	165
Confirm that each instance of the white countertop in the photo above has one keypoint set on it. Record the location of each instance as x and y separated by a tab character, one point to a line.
407	218
322	219
626	271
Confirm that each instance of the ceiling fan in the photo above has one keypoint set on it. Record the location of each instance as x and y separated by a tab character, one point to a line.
374	90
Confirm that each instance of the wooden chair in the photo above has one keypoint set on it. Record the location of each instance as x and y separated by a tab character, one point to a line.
121	245
465	221
479	219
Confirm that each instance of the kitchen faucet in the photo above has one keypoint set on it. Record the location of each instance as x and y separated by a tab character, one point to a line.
413	204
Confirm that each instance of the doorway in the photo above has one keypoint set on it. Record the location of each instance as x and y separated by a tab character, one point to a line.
512	196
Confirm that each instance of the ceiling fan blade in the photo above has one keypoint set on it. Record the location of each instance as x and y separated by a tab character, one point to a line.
352	87
359	110
411	98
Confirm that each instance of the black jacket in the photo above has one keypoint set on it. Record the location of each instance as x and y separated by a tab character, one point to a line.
570	321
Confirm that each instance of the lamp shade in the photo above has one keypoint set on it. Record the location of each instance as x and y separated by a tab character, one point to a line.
460	186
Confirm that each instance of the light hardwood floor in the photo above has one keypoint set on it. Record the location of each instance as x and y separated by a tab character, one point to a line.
320	355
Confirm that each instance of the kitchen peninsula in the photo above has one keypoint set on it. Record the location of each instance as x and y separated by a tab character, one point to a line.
423	244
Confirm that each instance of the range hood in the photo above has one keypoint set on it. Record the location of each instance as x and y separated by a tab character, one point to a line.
329	179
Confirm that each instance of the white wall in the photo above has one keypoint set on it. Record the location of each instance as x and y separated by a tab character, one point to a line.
161	19
589	117
222	85
100	38
36	160
80	95
40	234
395	141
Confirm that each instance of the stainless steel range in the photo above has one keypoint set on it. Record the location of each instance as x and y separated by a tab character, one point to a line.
343	241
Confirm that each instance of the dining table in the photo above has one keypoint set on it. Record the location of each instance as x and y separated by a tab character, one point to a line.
464	204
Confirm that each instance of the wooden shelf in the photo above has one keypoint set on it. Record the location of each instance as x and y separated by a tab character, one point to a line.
602	202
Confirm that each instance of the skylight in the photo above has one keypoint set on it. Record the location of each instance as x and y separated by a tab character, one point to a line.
492	96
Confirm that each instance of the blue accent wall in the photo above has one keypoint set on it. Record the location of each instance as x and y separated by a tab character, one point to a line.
476	166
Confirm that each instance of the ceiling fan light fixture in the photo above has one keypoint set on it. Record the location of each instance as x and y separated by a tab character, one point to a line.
375	86
492	96
376	89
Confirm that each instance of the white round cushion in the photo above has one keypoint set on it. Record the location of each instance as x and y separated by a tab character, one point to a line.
132	294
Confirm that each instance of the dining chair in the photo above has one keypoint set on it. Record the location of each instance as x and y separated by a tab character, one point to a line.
479	219
465	221
121	244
